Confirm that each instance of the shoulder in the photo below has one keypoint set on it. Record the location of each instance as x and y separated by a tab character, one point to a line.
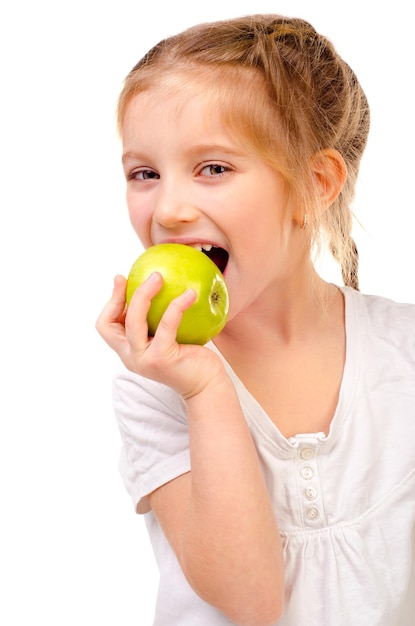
132	392
152	423
380	307
381	314
381	334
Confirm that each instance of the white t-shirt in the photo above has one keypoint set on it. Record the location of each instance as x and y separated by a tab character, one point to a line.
345	503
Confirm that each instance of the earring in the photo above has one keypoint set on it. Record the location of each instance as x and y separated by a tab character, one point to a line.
305	222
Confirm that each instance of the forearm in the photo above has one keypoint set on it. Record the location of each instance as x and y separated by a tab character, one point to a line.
230	551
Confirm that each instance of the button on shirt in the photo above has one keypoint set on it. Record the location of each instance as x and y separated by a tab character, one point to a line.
308	479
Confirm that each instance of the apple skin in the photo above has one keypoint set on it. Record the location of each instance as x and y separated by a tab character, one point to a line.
183	267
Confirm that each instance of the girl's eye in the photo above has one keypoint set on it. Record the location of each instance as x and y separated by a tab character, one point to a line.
214	169
143	175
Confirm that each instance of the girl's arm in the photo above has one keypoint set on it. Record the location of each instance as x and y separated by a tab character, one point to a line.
218	518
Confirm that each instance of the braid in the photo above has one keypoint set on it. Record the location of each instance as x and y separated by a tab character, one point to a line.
350	273
349	261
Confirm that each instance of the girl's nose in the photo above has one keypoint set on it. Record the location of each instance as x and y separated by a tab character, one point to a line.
172	209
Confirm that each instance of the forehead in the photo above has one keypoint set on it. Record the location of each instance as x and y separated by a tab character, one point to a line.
234	93
172	102
176	114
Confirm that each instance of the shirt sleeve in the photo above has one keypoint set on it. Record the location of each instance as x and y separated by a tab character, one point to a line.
155	441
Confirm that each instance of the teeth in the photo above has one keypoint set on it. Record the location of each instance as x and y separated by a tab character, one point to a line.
207	247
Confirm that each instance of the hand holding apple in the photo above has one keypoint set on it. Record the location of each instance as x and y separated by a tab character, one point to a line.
183	267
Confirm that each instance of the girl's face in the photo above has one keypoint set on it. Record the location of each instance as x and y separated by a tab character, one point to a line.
189	181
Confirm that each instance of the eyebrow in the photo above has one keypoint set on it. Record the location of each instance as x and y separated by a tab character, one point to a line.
217	148
130	155
195	150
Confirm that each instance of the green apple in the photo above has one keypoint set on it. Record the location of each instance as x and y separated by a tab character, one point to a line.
183	267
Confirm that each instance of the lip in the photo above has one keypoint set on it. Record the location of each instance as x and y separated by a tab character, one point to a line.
221	261
192	241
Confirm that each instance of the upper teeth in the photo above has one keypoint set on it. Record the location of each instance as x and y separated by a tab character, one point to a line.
203	246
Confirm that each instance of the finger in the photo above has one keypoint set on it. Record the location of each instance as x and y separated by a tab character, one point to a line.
166	331
136	326
115	307
112	315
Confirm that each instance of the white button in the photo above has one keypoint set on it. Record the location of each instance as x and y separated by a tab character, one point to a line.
307	453
310	493
307	472
312	512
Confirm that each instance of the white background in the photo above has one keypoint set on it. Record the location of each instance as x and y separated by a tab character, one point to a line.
72	550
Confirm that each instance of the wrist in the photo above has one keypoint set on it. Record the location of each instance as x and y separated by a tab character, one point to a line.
215	389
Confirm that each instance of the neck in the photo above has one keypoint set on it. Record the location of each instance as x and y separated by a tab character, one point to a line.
292	313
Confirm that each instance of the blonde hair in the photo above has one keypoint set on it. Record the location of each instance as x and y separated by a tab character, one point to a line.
283	88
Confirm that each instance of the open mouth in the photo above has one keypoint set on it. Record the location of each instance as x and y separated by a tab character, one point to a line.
219	256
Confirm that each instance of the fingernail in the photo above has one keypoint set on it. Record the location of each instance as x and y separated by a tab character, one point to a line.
190	293
153	276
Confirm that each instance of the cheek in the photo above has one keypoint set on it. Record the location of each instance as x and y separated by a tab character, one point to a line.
141	220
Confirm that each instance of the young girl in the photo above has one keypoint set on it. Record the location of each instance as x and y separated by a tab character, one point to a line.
276	464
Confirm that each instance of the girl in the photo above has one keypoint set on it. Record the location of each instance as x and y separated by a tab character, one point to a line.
276	464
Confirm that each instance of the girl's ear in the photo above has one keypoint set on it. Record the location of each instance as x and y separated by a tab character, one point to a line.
330	173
